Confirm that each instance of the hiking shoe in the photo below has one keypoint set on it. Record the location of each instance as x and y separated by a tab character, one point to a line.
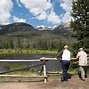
62	80
83	79
85	76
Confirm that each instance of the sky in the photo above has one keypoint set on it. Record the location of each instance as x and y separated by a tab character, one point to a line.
37	13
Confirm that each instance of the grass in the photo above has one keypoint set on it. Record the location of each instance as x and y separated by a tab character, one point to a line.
17	52
31	71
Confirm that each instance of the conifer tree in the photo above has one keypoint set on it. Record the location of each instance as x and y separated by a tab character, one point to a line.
80	22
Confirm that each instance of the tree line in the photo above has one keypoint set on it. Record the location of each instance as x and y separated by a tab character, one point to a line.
49	43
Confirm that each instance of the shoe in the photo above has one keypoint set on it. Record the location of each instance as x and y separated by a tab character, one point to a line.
85	76
83	79
62	80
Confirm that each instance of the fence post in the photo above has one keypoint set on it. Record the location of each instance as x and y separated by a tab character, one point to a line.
44	71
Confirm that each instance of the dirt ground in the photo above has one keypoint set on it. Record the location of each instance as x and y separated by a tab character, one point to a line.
53	83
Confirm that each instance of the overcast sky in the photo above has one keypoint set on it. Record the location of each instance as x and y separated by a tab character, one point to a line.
35	12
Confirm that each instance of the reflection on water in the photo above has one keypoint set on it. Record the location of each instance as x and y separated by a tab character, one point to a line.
51	65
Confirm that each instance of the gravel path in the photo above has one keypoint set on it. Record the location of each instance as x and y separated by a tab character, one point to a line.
53	83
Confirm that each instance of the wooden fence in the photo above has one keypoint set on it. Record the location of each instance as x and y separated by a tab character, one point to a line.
43	61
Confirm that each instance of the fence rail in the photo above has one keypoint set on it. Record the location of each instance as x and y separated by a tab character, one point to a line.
43	61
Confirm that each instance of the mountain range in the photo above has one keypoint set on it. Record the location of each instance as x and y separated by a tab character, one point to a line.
23	35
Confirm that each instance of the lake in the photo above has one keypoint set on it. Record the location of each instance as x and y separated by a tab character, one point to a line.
50	65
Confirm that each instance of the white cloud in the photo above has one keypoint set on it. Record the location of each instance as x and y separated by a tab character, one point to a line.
54	27
42	10
40	26
53	18
67	6
16	19
66	18
18	2
42	16
5	9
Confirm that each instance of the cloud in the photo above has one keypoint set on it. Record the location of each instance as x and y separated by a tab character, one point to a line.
18	2
54	27
42	16
5	9
36	7
67	6
42	10
16	19
40	26
53	18
66	18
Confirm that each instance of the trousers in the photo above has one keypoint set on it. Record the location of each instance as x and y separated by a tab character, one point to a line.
65	66
83	71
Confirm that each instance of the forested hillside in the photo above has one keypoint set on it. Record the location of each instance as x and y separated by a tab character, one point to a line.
23	36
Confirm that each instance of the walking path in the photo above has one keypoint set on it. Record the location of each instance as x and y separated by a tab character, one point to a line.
53	83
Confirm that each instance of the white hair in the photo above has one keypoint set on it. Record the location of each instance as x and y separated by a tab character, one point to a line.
81	49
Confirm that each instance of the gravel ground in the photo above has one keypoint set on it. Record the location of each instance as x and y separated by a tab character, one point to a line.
53	83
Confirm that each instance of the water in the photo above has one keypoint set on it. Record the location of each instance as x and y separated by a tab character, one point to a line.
50	65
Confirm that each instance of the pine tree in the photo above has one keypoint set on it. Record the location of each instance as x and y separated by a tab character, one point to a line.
80	22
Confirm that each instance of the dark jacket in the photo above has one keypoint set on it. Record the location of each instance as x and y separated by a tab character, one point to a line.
59	55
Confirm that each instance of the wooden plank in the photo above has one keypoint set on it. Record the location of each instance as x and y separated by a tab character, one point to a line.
22	76
22	60
50	72
34	60
19	60
44	58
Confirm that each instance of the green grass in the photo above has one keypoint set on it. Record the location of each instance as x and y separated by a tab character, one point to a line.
31	71
21	72
13	66
13	52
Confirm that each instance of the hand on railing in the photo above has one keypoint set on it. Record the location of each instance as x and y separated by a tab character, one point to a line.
42	58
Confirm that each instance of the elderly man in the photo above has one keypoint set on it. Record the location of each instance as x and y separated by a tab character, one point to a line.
65	62
82	57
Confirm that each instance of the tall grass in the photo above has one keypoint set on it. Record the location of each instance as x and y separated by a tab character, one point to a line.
17	52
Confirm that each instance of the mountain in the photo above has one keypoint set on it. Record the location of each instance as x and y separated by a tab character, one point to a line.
23	35
4	29
63	31
44	28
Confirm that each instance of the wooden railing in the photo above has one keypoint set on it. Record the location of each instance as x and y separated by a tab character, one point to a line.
43	61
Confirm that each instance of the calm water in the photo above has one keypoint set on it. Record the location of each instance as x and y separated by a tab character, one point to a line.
51	65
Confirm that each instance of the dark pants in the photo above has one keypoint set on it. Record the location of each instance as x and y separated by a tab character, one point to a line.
65	66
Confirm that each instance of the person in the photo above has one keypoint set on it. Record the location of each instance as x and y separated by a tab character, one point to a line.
82	58
65	62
